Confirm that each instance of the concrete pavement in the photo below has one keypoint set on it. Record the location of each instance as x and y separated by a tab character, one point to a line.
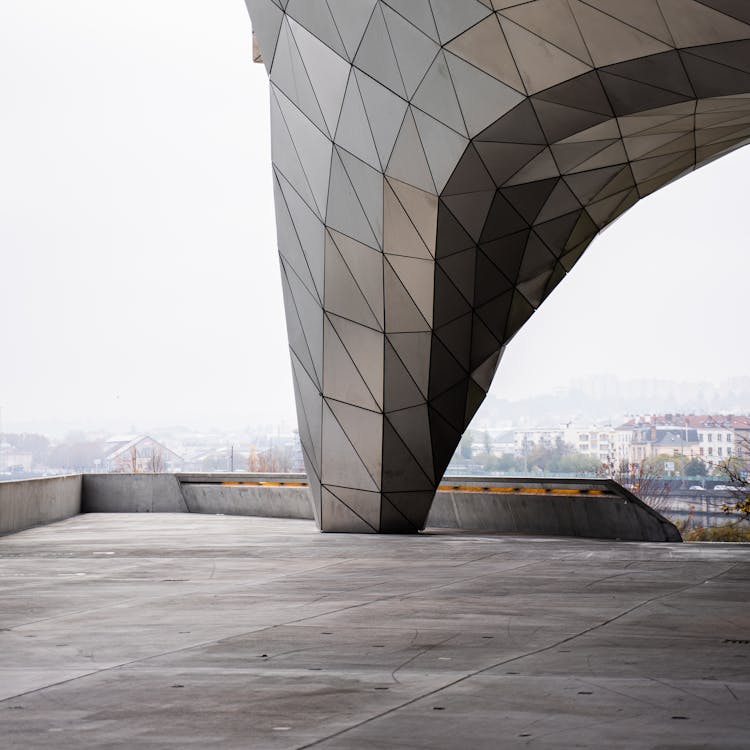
185	631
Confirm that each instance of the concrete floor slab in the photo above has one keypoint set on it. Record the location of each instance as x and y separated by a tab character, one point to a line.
181	631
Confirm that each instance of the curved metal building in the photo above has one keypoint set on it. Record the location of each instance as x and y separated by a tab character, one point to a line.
439	166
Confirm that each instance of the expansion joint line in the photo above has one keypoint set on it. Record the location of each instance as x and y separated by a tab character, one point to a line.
513	659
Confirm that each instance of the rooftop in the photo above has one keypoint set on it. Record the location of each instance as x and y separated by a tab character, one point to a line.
179	631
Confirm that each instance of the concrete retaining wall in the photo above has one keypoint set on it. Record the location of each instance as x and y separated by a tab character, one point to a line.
194	493
239	500
580	516
132	493
33	502
581	508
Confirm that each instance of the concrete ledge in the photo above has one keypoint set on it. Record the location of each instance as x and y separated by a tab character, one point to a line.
595	518
597	509
241	500
589	508
34	502
132	493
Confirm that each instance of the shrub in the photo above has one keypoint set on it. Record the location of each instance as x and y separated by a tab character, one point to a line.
727	532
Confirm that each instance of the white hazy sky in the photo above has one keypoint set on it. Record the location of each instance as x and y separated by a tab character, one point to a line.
139	282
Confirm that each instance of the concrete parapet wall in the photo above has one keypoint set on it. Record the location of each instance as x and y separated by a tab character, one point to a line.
578	508
268	495
34	502
240	500
132	493
590	517
592	508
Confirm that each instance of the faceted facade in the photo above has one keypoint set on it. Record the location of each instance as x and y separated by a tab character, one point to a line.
439	166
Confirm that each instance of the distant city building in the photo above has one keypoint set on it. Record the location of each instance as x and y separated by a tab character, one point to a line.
12	460
712	438
138	454
545	437
594	440
721	437
502	442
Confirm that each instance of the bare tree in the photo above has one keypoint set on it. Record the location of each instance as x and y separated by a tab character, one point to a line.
643	479
270	461
156	462
649	485
737	471
127	463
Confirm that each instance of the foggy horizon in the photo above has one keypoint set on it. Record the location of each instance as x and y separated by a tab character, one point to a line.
140	280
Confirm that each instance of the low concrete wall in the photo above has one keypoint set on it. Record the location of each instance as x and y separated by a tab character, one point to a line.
132	493
240	500
581	508
33	502
604	517
599	509
197	493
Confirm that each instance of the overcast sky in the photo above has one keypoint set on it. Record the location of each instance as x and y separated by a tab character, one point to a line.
139	281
